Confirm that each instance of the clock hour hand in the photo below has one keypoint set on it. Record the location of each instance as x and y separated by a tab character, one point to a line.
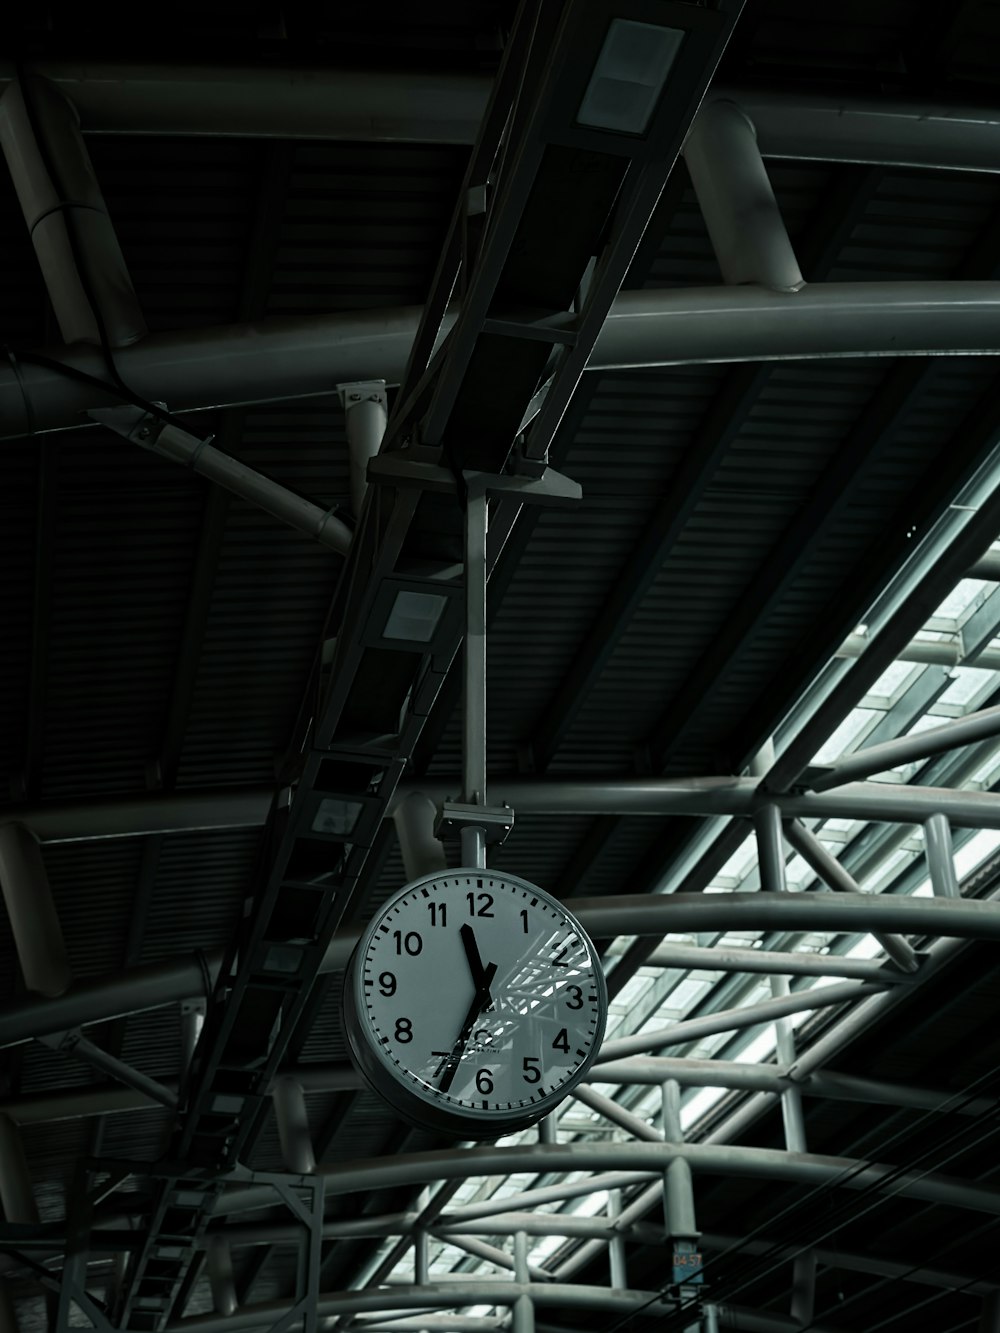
479	972
480	1001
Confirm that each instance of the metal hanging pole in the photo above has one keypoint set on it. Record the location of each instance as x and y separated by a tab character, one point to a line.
474	679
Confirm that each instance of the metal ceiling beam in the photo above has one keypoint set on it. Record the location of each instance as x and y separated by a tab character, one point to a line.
183	812
283	359
725	1159
405	107
959	536
859	456
188	977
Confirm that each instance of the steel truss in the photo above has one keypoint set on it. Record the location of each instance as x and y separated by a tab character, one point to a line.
225	1103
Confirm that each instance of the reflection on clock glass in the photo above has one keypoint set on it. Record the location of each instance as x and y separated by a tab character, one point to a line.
480	991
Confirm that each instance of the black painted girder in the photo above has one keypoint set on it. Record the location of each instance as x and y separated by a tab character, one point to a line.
966	449
694	475
858	457
842	206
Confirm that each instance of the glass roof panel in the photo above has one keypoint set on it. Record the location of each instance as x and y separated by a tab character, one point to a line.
654	997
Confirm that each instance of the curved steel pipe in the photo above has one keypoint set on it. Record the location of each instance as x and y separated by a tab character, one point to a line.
279	359
769	1163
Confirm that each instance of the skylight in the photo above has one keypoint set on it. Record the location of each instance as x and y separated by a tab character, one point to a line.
654	996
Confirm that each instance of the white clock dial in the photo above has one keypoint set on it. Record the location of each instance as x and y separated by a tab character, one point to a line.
475	995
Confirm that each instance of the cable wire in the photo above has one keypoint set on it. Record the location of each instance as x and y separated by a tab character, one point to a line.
847	1210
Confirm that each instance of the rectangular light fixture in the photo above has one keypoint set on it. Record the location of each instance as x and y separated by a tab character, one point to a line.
414	616
630	74
336	816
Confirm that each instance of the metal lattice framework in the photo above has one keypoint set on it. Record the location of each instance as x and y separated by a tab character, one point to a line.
776	677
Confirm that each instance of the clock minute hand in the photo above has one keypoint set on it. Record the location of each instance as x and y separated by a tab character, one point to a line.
480	1001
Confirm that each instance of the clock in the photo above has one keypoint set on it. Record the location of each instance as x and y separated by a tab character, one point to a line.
474	1002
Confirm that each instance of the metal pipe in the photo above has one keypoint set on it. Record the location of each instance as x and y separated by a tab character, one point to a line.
830	870
940	857
293	1126
192	1022
678	1188
824	1083
34	922
730	180
803	1288
67	218
414	1168
922	650
107	1099
545	1194
683	913
219	1262
732	1020
17	1198
770	848
829	128
603	918
457	1294
402	106
979	726
886	801
655	797
728	958
618	1115
491	1253
113	996
523	1309
279	359
180	446
355	105
422	852
791	1097
434	1323
617	1272
474	659
365	413
140	816
75	1044
498	1224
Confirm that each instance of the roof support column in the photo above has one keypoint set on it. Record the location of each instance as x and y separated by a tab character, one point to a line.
523	1308
293	1126
989	1318
617	1271
17	1198
804	1268
729	177
8	1315
940	857
678	1195
219	1262
73	236
34	922
365	413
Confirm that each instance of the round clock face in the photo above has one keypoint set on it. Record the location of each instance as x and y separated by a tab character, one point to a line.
474	1002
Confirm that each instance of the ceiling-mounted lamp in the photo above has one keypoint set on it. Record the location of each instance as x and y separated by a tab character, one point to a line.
631	72
414	616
